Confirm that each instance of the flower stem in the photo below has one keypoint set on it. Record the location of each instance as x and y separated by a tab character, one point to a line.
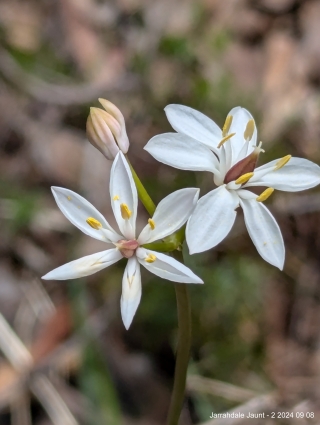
142	193
183	350
173	243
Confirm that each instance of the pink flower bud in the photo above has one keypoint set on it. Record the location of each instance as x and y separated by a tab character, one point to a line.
106	130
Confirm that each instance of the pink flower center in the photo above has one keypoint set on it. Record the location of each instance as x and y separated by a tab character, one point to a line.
127	248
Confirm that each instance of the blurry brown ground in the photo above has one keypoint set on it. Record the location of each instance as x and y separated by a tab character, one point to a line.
254	327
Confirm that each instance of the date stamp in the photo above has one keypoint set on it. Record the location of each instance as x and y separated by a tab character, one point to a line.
262	415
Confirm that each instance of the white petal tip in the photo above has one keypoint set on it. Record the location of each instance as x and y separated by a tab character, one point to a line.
194	250
281	266
277	264
128	311
200	281
50	276
127	325
127	321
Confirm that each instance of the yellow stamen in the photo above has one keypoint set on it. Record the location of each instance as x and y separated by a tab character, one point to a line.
248	132
125	212
95	224
227	125
225	139
265	194
244	178
116	198
69	198
151	258
282	162
152	224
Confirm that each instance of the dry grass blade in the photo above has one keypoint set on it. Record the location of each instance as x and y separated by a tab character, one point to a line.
55	407
20	409
218	388
13	348
38	298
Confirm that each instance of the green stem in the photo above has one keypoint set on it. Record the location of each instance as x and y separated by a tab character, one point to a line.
142	193
183	350
171	243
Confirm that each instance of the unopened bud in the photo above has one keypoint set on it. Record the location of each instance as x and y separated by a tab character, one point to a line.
106	130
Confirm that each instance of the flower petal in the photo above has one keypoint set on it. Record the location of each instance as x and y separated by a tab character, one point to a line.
211	220
131	291
193	123
123	192
85	266
298	174
78	210
167	267
183	152
171	214
264	232
239	145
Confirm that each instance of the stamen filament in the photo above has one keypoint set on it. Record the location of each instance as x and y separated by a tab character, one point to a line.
225	139
125	211
244	178
282	162
152	224
94	223
265	194
227	125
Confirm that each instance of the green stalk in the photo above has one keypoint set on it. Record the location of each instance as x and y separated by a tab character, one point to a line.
183	350
173	243
168	244
142	193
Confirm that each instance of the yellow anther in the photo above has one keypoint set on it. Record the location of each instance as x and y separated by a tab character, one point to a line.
248	132
125	212
227	125
225	139
95	224
152	224
116	198
244	178
69	198
265	194
282	162
151	258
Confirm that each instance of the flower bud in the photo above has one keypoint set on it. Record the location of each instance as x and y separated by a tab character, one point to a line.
106	130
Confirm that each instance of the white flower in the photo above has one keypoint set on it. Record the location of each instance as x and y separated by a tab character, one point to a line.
231	155
171	213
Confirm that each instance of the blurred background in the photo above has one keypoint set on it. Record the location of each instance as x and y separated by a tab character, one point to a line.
66	357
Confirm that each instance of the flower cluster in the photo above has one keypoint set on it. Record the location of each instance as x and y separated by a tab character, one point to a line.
230	154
